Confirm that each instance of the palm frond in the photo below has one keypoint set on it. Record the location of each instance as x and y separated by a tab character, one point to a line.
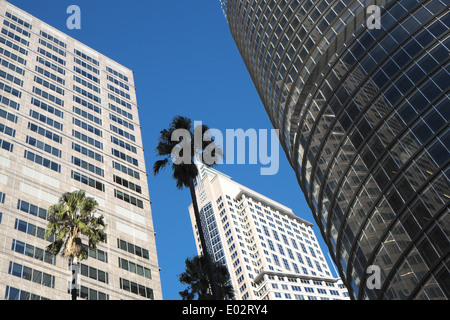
159	165
71	217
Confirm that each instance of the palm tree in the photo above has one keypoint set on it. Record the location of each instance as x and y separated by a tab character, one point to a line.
181	153
72	217
195	276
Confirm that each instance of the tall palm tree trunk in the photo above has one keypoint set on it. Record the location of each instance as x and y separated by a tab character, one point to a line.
73	289
208	260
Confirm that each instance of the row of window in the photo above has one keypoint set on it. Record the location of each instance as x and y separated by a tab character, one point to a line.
44	132
30	274
49	85
51	56
12	293
94	273
13	46
47	108
127	184
9	103
135	268
128	198
12	56
15	37
123	144
10	90
11	78
44	146
42	161
7	130
306	289
135	288
8	116
50	75
87	115
17	28
133	249
32	209
86	57
53	39
86	84
87	181
87	166
86	65
52	47
18	20
29	228
32	251
47	120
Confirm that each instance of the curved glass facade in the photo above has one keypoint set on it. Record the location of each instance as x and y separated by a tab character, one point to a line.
364	121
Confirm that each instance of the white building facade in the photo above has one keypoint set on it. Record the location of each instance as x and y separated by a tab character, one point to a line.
69	121
270	253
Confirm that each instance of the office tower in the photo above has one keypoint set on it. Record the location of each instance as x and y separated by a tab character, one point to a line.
270	253
363	115
69	121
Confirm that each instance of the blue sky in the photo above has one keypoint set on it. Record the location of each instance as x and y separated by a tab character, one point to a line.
185	62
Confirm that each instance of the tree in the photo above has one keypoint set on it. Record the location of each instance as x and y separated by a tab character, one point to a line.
70	219
179	145
195	276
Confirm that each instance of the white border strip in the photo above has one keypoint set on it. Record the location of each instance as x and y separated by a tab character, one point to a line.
19	13
86	49
54	31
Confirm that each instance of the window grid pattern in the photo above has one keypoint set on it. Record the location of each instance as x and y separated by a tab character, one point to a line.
366	131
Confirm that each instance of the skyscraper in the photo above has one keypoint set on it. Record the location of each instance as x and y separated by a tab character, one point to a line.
68	121
270	253
363	115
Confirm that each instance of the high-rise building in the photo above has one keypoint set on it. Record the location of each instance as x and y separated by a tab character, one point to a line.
69	121
363	115
270	253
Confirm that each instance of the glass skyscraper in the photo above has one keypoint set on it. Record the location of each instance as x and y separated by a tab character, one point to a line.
68	121
364	117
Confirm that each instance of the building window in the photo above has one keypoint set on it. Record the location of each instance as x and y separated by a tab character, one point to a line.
30	229
30	274
44	132
88	181
96	253
42	161
127	184
131	248
135	268
32	251
90	294
135	288
125	157
87	166
94	273
127	198
32	209
12	293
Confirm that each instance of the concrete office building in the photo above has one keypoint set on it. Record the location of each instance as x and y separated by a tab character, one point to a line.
270	252
363	115
68	121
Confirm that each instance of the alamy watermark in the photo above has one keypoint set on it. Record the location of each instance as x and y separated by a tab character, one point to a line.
74	21
374	277
235	142
74	279
374	17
